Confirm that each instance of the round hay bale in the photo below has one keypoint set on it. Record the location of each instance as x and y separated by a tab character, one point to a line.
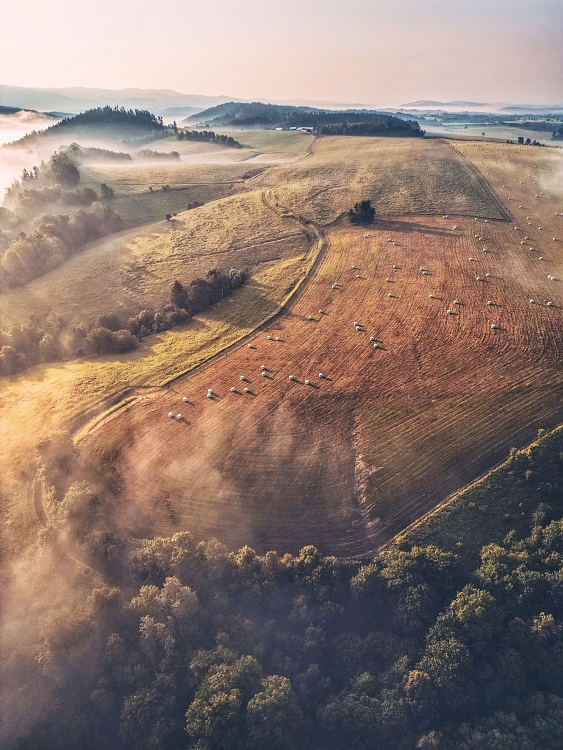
307	382
233	390
170	414
247	390
185	399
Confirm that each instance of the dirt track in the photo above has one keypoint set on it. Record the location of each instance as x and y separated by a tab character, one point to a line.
351	459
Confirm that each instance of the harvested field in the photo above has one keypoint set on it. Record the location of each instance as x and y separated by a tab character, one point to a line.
351	459
401	176
48	399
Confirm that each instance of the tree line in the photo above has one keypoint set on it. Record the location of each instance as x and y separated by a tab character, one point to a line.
386	126
208	136
54	339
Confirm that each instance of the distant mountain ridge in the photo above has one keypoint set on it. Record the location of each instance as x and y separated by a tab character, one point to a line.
164	102
487	106
78	99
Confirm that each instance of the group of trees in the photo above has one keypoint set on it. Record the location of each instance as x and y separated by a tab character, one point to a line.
148	155
80	154
202	293
362	213
383	125
527	142
188	645
209	136
558	133
50	239
53	339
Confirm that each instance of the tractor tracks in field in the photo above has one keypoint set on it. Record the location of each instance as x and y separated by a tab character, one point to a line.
319	242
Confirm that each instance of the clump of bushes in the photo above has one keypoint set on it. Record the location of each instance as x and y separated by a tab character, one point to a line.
209	136
148	155
194	204
362	213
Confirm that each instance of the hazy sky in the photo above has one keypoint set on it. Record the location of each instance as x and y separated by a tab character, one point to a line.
372	51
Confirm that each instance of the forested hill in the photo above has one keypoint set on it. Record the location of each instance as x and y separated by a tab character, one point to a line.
141	118
349	122
108	122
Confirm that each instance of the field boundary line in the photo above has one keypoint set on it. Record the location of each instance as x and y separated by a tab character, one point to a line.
484	184
460	492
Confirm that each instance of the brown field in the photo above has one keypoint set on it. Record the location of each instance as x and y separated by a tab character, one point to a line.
350	460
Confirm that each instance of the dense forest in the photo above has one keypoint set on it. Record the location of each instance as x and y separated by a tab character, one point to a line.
536	125
241	114
350	122
183	644
384	125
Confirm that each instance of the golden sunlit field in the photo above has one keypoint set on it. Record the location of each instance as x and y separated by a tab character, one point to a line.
406	176
350	459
